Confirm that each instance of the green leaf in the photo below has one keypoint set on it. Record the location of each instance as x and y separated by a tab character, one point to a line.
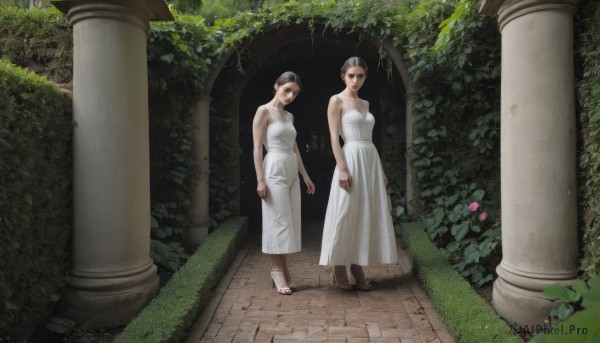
472	253
559	292
459	231
581	327
478	195
579	287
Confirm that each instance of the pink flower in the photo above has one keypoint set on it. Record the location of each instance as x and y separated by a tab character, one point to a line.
473	206
483	216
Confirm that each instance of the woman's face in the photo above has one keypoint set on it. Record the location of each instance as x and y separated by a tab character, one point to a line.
354	78
287	92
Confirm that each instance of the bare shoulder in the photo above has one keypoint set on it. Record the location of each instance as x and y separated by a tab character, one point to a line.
291	116
261	112
336	103
335	100
366	104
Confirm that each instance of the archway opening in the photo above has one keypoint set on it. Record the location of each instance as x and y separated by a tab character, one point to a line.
317	59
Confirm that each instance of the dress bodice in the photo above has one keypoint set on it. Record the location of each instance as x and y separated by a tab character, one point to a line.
356	125
280	136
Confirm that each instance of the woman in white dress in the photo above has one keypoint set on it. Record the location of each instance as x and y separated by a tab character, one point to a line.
358	227
277	178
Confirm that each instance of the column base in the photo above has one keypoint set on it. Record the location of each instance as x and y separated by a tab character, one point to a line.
519	305
108	306
195	236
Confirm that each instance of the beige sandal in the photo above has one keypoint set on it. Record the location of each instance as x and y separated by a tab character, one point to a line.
359	276
278	281
288	278
340	277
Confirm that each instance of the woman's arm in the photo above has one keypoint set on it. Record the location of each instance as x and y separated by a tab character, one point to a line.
259	129
334	118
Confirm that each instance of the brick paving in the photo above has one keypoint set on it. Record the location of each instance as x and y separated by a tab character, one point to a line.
245	308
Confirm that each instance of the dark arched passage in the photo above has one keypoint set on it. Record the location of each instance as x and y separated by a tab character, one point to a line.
317	58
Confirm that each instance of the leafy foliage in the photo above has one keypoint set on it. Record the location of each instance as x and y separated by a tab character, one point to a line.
581	327
177	66
35	197
588	95
40	40
468	232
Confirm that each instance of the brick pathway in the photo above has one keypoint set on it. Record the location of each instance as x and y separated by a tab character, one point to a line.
245	307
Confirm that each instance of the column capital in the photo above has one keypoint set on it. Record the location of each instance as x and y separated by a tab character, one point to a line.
508	10
139	12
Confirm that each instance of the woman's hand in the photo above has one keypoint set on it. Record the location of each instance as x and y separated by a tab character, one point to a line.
385	180
345	180
262	190
310	186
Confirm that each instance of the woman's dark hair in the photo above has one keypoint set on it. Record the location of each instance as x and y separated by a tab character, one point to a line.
289	76
354	61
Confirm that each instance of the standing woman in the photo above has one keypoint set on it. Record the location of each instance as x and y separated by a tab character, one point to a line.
277	177
358	227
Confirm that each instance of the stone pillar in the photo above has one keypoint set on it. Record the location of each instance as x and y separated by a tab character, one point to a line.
199	213
411	97
112	275
538	157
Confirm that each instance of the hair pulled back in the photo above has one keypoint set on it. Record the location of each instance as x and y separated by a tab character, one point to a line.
289	76
354	61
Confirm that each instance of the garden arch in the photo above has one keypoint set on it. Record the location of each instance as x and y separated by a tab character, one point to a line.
112	275
294	46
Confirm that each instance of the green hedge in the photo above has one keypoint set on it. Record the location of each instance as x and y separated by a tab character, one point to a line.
40	40
168	317
468	317
588	98
35	193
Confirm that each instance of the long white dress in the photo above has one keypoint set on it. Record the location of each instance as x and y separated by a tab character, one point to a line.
281	210
358	226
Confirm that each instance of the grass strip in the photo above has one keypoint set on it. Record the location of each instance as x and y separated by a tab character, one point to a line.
169	316
468	317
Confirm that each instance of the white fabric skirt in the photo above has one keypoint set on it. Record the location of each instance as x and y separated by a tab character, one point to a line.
358	226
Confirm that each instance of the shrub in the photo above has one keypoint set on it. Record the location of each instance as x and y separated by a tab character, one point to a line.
35	193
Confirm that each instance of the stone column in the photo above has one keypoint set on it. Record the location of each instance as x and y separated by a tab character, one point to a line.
199	213
112	275
411	97
538	158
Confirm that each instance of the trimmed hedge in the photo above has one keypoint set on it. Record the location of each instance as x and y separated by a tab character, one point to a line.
449	292
40	40
35	197
588	100
168	317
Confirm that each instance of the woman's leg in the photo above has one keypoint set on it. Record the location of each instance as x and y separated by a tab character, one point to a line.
340	277
359	277
288	276
278	274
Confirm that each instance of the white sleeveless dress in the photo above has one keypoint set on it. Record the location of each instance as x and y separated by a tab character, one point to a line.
281	210
358	226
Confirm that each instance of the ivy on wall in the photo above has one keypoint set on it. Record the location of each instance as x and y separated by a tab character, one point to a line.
588	98
455	149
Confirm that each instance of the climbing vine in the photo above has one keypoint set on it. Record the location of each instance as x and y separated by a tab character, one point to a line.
456	146
588	94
